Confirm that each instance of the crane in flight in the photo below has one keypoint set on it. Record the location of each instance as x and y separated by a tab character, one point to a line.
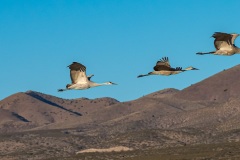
163	68
80	80
224	44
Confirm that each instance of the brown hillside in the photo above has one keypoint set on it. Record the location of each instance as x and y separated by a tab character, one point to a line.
40	109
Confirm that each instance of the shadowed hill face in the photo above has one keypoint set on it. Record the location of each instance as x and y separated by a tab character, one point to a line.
218	88
7	116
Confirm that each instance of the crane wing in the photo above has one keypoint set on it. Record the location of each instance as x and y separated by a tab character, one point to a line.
223	40
78	73
162	64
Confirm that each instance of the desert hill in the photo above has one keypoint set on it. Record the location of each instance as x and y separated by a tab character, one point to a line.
40	109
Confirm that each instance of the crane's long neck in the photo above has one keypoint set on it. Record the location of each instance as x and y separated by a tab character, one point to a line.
93	84
190	68
187	69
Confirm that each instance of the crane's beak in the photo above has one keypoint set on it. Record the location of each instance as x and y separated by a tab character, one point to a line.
194	68
114	83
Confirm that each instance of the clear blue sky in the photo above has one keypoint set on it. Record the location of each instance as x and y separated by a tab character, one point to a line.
115	39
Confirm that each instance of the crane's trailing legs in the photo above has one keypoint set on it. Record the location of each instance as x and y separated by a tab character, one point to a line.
143	75
202	53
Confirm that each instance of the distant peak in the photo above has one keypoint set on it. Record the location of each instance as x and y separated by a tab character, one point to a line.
167	90
30	91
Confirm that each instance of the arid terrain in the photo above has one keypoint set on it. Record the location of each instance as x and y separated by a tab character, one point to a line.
201	121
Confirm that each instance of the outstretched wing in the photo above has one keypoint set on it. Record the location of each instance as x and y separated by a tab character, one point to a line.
162	64
223	40
78	73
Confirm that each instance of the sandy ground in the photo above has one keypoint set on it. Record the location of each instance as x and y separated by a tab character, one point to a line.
112	149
